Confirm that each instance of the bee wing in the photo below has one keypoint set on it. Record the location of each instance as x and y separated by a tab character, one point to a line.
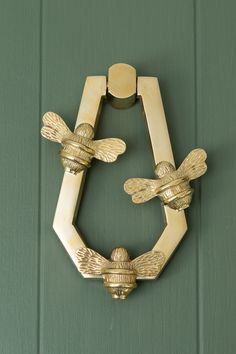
148	264
90	262
107	150
142	189
193	165
54	128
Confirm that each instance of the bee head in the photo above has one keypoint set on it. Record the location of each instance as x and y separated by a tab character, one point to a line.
163	168
120	254
85	130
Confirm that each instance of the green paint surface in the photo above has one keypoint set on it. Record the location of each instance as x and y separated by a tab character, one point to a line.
47	50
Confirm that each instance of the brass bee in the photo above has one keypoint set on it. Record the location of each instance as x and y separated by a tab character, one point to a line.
172	186
79	148
120	273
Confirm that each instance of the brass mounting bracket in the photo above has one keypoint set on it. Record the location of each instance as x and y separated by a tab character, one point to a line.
121	89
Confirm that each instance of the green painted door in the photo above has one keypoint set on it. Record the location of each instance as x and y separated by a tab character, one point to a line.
48	47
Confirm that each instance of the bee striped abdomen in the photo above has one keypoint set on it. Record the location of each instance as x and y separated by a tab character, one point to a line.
76	154
119	281
177	194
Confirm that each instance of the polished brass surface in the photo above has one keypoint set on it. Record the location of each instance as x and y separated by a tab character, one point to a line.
148	92
121	86
79	148
172	186
72	185
119	273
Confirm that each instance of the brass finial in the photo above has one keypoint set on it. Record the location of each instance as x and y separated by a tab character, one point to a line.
79	148
172	186
119	273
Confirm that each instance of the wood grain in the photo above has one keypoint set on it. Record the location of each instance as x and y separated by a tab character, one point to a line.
46	306
77	315
19	116
216	130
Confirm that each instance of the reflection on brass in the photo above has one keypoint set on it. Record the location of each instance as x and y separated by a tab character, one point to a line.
119	273
121	86
79	148
172	186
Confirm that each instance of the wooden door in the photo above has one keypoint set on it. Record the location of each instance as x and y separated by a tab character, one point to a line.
48	47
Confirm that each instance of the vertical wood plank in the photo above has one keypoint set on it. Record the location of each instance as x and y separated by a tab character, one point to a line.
85	38
19	192
216	108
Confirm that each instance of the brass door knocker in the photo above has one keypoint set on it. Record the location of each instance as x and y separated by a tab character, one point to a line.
171	185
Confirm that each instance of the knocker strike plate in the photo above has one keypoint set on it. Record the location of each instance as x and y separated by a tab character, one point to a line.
171	185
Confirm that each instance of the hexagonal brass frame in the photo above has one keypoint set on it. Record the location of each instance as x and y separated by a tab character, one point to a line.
68	203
